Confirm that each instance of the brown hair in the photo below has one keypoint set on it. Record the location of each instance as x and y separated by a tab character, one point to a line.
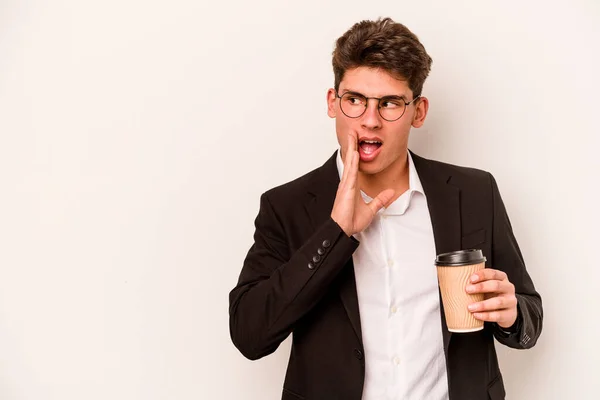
383	44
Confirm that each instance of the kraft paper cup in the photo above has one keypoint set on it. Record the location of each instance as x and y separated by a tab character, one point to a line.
454	270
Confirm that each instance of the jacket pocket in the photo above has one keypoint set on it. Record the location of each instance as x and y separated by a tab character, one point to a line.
471	240
496	389
289	395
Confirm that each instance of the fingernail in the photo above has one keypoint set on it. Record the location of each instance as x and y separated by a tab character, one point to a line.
470	288
474	278
472	307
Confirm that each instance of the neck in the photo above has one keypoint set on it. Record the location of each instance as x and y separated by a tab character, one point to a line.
395	176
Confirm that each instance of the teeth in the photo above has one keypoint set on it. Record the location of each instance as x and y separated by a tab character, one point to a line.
372	141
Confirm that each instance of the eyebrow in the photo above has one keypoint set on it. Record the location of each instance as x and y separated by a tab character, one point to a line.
400	96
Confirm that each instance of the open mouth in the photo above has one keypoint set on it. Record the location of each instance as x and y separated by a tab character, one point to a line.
369	146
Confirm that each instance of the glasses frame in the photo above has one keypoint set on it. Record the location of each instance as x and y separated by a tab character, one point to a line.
378	104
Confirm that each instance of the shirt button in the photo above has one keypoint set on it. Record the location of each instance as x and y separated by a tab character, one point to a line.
396	360
394	310
390	262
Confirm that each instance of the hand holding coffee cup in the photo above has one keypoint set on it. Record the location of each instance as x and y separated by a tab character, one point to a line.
501	303
465	283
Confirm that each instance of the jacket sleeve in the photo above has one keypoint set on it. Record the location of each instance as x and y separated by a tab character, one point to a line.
277	288
507	256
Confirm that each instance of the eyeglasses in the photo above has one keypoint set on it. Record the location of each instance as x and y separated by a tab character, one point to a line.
391	108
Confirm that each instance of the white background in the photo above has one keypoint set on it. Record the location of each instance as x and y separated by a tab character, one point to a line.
137	136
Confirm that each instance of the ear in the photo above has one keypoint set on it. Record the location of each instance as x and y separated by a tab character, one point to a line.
331	100
421	108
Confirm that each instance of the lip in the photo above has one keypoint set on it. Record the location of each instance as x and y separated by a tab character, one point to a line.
364	157
372	138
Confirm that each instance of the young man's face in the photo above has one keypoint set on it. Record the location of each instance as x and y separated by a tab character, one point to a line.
371	126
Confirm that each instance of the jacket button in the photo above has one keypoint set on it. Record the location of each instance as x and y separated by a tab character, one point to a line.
326	243
320	251
311	265
316	259
358	354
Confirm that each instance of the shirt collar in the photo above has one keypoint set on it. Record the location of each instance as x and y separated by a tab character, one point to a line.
398	206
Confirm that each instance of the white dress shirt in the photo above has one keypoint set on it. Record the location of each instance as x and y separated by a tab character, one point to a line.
398	300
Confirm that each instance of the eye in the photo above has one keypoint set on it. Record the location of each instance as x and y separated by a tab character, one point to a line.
353	99
391	103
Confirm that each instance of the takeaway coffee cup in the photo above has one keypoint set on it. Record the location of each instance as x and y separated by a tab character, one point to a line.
454	270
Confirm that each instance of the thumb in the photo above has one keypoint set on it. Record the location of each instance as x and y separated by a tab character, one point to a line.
381	200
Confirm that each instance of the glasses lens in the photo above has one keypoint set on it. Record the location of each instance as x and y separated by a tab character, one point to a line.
353	105
391	108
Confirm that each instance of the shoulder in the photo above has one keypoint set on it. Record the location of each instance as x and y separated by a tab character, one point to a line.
457	175
299	189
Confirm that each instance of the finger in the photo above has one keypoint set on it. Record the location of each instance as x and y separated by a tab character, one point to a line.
347	160
381	200
487	274
492	286
353	171
492	316
352	141
494	304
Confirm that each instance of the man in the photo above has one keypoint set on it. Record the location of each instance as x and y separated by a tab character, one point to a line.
343	256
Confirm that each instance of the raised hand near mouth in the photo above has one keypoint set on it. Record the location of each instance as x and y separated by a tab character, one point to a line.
350	211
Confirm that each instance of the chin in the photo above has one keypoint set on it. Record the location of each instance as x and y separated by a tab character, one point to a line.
370	168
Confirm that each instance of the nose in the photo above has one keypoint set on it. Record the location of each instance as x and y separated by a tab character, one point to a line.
371	118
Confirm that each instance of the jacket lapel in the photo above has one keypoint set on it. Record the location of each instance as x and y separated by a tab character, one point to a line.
323	190
443	201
